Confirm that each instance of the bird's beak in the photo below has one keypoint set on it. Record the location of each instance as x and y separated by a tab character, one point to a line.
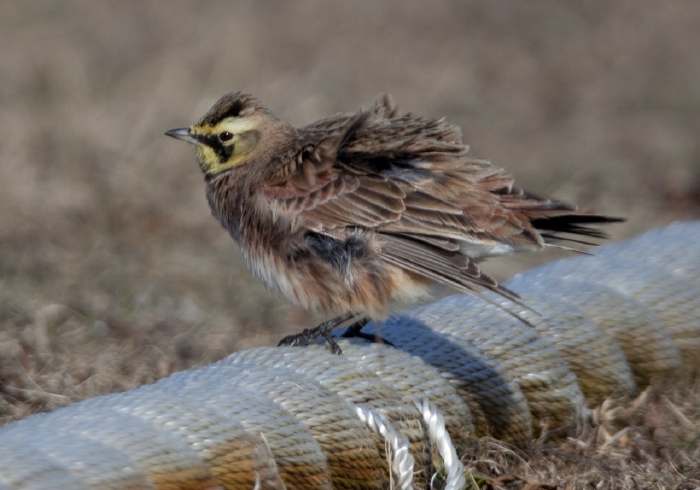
182	134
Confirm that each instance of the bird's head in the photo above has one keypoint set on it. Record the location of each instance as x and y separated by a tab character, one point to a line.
229	134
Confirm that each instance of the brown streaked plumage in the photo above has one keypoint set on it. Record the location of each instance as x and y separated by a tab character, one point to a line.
363	214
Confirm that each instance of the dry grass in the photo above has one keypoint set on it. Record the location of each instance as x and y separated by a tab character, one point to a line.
112	272
652	442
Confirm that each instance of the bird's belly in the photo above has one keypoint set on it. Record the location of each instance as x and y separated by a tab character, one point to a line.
279	278
411	290
372	287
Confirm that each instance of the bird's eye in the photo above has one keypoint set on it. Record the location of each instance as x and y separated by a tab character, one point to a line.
225	136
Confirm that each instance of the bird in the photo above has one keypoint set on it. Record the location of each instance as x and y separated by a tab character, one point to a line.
361	215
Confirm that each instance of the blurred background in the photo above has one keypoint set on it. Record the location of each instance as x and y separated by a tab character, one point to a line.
112	271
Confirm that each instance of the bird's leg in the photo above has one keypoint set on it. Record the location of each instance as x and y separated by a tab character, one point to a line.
355	330
323	330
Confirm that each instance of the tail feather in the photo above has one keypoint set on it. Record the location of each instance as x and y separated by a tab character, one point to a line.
552	217
574	224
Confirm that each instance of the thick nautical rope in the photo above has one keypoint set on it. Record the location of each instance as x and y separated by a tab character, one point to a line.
381	417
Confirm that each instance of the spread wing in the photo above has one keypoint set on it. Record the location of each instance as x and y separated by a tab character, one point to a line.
409	180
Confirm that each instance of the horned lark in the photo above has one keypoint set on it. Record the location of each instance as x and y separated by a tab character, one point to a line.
359	215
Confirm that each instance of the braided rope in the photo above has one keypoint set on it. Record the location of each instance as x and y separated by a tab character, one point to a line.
301	418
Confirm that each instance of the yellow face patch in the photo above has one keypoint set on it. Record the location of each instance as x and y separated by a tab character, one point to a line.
226	144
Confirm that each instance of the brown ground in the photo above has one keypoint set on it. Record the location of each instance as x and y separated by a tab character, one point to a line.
112	272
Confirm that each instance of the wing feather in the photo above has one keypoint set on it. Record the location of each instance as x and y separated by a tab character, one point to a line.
456	270
410	178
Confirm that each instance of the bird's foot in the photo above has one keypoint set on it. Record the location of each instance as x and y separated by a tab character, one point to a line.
323	330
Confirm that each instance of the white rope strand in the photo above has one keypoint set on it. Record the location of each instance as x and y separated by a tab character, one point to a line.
434	421
402	461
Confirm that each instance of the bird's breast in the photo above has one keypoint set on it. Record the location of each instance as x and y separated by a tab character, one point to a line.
320	272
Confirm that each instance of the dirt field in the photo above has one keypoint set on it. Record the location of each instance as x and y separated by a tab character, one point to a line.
112	271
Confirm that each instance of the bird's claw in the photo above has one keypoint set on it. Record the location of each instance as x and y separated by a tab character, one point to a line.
307	335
